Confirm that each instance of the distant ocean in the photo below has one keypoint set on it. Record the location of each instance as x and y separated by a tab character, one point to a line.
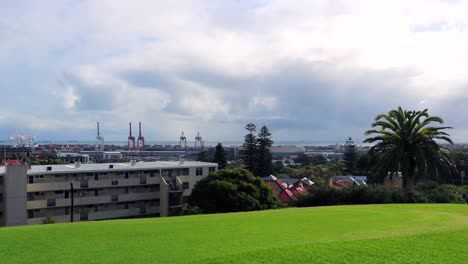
189	143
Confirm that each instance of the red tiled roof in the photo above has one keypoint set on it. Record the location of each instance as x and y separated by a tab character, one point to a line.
11	161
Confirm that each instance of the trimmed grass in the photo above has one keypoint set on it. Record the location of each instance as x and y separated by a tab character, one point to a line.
418	233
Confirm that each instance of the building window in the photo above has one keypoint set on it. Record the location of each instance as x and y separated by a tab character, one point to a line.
199	171
182	172
115	182
142	179
211	169
84	216
114	197
168	172
155	188
84	184
50	202
186	185
30	213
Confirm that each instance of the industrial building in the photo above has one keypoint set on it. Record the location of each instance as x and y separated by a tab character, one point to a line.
83	192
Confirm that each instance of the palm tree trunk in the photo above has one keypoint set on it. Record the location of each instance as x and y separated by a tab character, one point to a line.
408	185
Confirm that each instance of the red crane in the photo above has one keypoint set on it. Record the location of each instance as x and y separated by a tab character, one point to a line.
141	139
131	138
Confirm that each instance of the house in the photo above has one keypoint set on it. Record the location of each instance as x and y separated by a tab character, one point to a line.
348	181
288	189
11	161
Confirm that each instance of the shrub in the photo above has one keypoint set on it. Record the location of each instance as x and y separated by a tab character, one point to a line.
320	196
426	192
232	191
48	220
445	193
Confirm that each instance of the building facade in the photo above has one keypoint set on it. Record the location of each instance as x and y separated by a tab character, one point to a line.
84	192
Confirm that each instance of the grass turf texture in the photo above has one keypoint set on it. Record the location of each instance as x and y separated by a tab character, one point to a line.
336	234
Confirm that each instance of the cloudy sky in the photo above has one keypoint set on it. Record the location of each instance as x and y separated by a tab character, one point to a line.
309	70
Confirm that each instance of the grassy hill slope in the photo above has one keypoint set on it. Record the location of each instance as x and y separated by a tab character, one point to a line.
338	234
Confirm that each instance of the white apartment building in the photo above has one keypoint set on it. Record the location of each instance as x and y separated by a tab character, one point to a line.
84	192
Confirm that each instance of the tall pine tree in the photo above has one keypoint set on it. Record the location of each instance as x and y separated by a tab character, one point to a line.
219	156
250	148
350	156
264	157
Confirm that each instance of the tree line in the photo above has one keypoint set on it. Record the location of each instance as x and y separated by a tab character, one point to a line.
404	142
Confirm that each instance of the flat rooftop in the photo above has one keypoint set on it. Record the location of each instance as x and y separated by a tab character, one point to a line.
127	166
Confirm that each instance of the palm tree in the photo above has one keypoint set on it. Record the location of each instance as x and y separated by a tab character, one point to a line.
407	143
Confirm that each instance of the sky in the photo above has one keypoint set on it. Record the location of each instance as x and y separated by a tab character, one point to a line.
308	70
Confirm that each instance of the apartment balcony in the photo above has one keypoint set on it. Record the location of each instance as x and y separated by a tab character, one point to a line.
110	214
139	196
102	199
57	219
51	186
119	213
122	182
65	185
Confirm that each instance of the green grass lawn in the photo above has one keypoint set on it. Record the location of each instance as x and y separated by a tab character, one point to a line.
336	234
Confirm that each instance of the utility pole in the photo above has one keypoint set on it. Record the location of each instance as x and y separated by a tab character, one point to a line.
72	202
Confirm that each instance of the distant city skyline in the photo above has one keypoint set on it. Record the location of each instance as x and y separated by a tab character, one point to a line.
309	70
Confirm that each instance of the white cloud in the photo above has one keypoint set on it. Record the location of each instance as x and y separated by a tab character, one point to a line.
69	98
205	66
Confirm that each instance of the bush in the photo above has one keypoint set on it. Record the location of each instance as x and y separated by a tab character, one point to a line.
48	220
232	191
320	196
445	193
426	192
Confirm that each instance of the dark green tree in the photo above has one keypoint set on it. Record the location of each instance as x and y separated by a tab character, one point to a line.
303	159
249	156
405	141
350	156
232	191
278	167
203	156
264	157
219	156
318	160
